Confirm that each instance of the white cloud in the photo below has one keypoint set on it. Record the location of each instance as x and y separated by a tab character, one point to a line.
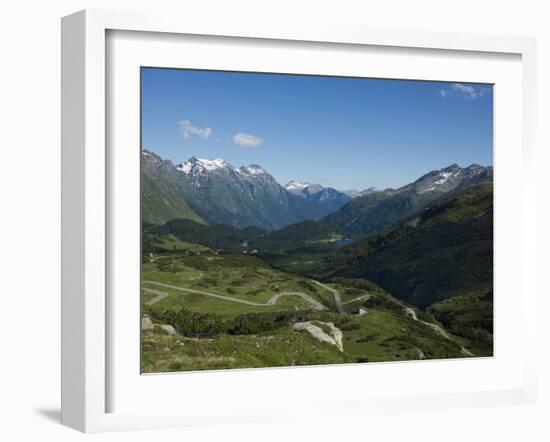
247	140
465	91
188	130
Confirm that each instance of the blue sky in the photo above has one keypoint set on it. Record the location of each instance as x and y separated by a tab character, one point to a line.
346	133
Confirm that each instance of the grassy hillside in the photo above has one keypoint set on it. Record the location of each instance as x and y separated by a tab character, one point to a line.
469	315
375	211
160	204
177	234
304	237
228	331
444	251
296	238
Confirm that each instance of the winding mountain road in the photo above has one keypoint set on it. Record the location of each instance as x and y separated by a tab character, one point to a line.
314	303
271	301
336	293
436	327
160	295
359	298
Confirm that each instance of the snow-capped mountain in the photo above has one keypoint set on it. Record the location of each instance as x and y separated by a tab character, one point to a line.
357	193
195	166
374	211
452	177
221	193
304	189
198	166
296	186
216	192
252	170
327	197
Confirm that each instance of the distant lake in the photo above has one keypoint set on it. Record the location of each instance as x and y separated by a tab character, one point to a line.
344	242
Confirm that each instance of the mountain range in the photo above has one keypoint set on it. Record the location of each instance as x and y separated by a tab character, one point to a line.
375	211
215	192
353	193
327	198
218	193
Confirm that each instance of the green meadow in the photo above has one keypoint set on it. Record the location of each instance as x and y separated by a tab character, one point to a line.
228	296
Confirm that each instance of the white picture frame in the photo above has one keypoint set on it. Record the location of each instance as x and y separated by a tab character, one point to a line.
86	209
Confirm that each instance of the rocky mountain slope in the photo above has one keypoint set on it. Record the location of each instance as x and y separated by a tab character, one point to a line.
161	193
354	193
219	193
376	210
327	198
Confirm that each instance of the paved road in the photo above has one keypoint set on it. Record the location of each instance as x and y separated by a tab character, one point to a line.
359	298
408	310
271	301
316	304
436	327
336	293
159	297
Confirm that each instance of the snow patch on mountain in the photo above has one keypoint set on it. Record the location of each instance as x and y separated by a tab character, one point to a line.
446	179
253	169
195	166
217	163
185	167
151	157
353	193
199	166
296	185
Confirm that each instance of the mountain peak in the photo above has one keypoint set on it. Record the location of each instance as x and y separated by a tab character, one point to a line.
451	177
369	190
354	193
252	169
476	166
297	185
151	156
194	165
216	163
304	188
453	167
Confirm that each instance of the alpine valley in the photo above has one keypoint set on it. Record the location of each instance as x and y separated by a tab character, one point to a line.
240	271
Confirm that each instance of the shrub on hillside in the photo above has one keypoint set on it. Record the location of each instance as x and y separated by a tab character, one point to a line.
189	323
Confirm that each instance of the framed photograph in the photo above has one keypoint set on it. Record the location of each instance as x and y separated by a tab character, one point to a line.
266	222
